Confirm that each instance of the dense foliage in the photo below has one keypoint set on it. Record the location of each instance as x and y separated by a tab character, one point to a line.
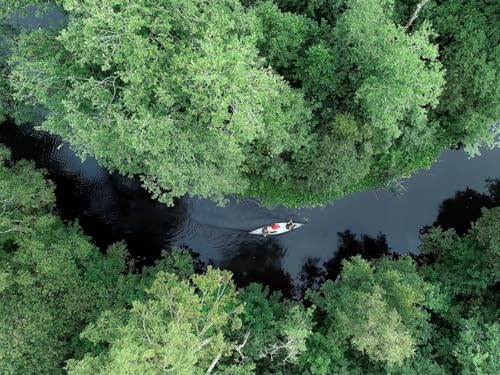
469	36
53	281
65	307
293	102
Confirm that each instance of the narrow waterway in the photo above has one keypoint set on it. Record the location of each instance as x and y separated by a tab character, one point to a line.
111	208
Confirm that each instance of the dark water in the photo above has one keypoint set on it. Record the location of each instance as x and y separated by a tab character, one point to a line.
111	207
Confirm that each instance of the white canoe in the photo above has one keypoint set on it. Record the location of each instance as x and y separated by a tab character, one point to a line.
280	230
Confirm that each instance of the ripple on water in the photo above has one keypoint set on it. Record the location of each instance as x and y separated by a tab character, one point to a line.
117	208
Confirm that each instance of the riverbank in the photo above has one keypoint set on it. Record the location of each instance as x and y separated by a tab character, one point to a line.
111	208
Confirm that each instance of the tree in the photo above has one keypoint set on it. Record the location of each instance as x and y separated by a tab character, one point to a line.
180	328
24	194
394	82
465	273
318	10
470	49
283	37
415	13
375	310
146	89
53	281
342	158
478	346
8	34
6	39
53	284
469	265
370	86
276	329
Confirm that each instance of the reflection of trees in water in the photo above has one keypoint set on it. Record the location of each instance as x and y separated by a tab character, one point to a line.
118	208
25	142
465	207
349	245
313	273
311	276
109	207
260	261
457	212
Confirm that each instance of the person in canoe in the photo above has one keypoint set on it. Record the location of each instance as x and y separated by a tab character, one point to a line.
290	225
270	229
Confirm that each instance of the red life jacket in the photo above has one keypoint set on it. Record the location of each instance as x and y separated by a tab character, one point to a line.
275	226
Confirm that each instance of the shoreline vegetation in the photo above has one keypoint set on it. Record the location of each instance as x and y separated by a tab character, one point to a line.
69	308
292	102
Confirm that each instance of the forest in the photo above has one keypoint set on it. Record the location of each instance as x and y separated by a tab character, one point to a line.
68	307
291	102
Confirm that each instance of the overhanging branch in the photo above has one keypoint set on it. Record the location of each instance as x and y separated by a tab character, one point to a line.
415	14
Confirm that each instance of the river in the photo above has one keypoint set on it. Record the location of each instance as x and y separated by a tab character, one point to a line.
111	207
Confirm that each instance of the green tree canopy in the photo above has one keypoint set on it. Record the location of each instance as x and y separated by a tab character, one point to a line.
180	328
469	37
174	92
374	309
53	281
24	194
478	346
294	103
465	265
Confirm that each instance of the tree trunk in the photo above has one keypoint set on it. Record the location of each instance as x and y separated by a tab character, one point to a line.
214	362
415	13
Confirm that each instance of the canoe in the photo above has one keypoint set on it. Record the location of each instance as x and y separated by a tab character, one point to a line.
282	229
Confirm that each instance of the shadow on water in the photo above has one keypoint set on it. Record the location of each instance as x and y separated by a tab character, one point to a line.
260	261
111	208
465	207
458	213
350	245
314	273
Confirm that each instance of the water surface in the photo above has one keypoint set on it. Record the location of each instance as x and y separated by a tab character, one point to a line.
111	208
